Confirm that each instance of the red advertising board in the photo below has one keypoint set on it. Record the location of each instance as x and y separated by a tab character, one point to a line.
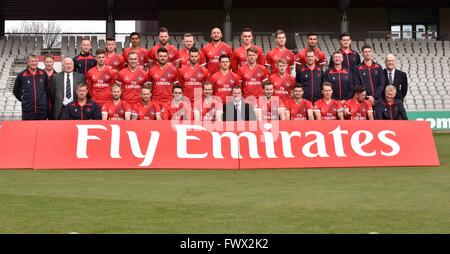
229	145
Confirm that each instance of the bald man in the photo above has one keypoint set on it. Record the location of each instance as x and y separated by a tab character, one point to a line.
215	49
395	77
63	87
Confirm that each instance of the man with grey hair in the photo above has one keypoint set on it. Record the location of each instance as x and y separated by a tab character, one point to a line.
390	108
63	87
395	77
31	88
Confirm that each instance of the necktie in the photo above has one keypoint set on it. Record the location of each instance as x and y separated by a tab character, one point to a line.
68	88
390	78
238	112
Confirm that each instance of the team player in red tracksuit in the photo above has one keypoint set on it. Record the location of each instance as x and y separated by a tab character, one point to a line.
100	79
280	52
214	50
358	108
163	77
298	108
371	75
172	52
240	54
282	81
269	107
132	79
32	89
252	76
351	57
211	108
189	41
116	61
135	39
179	108
224	80
49	62
320	60
311	78
85	60
116	109
327	108
192	76
146	109
341	78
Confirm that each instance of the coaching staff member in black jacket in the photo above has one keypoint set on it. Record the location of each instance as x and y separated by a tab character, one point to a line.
82	108
237	109
31	88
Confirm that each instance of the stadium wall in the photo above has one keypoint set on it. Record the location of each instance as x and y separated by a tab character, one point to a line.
291	20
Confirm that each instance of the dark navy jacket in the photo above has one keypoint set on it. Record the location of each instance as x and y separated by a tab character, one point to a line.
90	111
384	111
311	80
32	90
371	77
83	62
342	81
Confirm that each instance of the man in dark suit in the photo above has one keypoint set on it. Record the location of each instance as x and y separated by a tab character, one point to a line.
395	77
237	109
63	87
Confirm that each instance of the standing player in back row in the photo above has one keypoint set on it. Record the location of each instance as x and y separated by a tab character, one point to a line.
320	59
214	50
172	52
371	75
135	39
351	58
189	42
280	52
240	54
85	60
116	61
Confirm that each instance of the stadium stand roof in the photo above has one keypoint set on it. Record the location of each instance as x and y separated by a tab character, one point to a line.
148	9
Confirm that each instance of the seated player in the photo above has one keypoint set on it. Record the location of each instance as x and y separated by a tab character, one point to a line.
269	107
116	109
298	108
211	107
83	108
390	108
358	108
179	108
327	108
146	109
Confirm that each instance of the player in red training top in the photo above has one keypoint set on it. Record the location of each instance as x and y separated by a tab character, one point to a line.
240	54
146	109
211	108
298	108
172	51
142	53
132	79
214	50
320	59
282	81
358	108
192	76
270	107
280	52
100	79
327	108
224	80
252	76
179	108
162	77
116	109
116	61
189	42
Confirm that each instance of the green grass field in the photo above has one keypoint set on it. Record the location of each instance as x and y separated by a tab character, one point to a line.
356	200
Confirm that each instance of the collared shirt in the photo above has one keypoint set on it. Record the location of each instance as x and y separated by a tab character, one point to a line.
238	107
67	100
393	74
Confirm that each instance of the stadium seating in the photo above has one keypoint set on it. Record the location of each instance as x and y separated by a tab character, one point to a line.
427	62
